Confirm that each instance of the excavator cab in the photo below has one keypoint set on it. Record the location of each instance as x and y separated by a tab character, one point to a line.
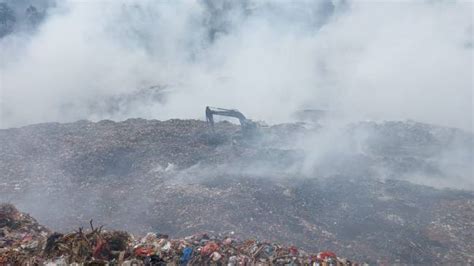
246	124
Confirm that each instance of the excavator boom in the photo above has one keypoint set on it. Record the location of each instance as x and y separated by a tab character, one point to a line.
244	122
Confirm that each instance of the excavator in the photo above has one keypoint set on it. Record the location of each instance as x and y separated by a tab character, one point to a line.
246	124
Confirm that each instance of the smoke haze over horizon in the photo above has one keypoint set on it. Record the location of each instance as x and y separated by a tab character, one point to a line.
364	60
388	164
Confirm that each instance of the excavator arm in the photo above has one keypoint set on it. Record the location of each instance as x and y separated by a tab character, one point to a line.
244	122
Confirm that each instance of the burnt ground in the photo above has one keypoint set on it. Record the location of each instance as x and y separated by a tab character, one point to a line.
179	177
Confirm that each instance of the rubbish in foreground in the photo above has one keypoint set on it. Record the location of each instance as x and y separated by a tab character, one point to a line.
24	241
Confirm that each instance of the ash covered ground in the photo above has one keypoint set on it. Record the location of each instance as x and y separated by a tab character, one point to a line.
390	191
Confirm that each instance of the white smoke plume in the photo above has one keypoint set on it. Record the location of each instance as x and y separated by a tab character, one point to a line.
376	60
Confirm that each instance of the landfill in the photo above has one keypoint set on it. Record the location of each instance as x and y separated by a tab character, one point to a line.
24	242
179	177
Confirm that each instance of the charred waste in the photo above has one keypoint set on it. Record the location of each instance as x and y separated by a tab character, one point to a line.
180	177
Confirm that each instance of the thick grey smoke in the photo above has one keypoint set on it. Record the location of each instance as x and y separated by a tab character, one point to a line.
120	59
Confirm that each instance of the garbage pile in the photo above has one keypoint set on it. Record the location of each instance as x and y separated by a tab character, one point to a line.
21	237
203	249
23	241
180	177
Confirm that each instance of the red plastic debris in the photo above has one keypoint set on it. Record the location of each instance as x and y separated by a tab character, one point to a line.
327	254
293	251
27	238
143	251
209	248
98	248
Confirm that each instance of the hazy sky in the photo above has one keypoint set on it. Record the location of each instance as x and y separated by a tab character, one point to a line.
381	60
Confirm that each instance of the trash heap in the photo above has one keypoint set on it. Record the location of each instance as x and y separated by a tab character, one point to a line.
203	249
21	237
24	241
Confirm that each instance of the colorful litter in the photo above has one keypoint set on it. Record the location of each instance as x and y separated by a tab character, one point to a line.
24	242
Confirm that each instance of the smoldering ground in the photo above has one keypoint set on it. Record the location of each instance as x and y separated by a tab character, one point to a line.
317	187
138	173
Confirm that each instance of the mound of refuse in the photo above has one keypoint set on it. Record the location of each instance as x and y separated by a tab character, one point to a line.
25	242
21	237
373	192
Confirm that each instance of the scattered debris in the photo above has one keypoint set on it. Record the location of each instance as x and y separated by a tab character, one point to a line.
21	237
24	241
180	177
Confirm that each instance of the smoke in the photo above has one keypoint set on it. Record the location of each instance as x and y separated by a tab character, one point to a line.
120	59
